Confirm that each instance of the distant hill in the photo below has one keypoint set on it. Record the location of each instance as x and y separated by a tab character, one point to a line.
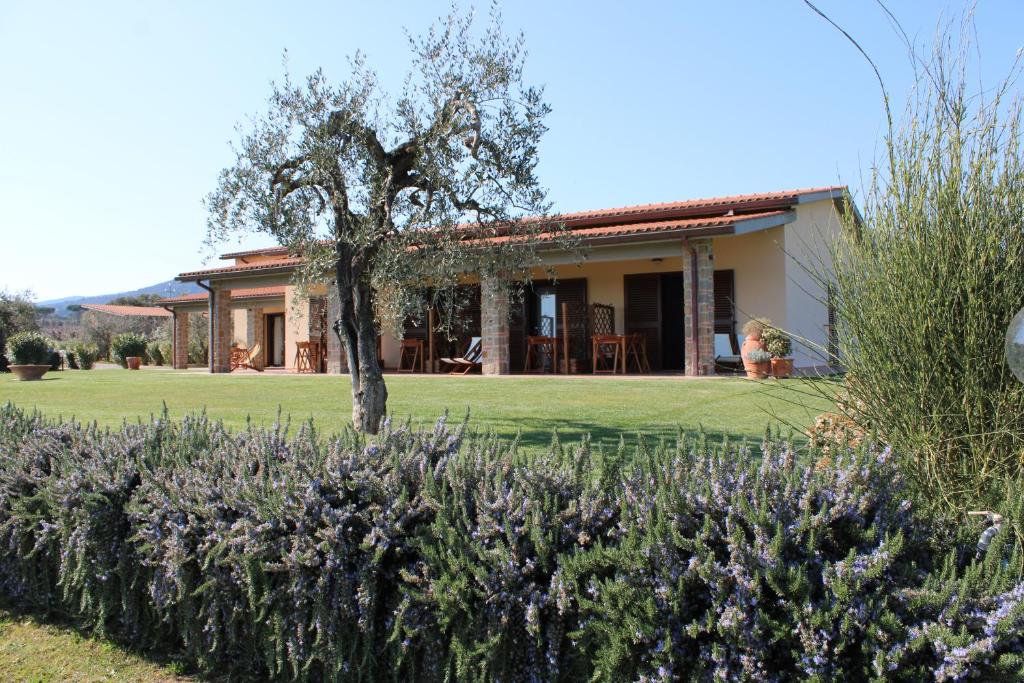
168	288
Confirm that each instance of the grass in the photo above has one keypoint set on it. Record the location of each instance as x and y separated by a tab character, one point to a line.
533	407
31	650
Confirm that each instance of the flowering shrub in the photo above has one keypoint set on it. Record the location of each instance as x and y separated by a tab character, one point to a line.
436	555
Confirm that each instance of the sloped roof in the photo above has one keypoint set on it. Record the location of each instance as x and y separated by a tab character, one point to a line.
709	215
236	294
129	311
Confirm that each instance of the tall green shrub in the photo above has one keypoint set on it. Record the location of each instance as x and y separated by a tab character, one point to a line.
925	287
28	348
127	345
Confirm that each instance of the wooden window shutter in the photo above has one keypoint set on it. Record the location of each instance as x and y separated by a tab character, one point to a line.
643	311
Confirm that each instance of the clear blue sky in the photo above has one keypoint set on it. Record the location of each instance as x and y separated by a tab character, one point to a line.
115	117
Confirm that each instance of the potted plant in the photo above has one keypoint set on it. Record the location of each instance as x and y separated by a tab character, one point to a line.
780	346
752	332
29	355
758	363
128	350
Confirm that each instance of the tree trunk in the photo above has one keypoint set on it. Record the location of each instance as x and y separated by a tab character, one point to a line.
359	337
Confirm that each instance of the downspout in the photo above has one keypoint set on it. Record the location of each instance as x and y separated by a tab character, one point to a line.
212	330
695	312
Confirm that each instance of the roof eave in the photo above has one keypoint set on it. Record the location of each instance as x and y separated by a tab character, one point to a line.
235	274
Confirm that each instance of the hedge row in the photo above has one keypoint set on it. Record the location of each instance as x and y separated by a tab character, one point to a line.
433	555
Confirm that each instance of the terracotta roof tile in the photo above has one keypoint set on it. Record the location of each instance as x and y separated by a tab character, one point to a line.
130	311
707	207
263	265
236	294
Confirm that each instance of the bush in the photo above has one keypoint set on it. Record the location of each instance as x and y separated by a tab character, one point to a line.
924	290
127	345
430	555
758	356
83	356
167	351
777	343
154	353
28	348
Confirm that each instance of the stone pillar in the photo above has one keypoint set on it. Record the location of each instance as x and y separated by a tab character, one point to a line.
179	352
220	325
494	317
336	362
699	348
254	334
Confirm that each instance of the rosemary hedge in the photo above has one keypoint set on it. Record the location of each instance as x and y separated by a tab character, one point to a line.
438	555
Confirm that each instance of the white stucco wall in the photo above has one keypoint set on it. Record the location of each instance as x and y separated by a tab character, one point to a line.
758	263
807	258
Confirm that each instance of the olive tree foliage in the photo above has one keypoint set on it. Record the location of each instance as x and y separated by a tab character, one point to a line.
396	201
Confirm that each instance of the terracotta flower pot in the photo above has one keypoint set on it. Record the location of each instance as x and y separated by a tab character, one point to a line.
133	362
782	367
757	370
748	346
28	373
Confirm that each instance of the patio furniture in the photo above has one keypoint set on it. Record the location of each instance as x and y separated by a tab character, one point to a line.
609	353
472	358
239	355
307	355
244	358
411	355
541	354
636	349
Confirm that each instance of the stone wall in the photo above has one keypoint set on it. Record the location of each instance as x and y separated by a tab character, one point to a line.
700	351
180	350
220	350
494	319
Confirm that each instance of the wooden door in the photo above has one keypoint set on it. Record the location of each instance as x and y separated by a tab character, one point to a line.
643	312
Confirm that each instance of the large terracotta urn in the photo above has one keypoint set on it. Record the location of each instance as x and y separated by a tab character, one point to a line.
28	373
133	362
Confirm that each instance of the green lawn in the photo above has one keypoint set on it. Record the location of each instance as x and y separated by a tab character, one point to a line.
533	406
35	651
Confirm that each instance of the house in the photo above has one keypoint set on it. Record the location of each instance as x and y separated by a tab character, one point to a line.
683	275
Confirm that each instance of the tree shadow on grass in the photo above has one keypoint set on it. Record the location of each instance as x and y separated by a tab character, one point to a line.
176	665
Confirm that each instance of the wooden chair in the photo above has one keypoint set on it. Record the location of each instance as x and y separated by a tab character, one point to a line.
636	348
472	358
306	354
608	349
239	354
412	353
252	357
541	354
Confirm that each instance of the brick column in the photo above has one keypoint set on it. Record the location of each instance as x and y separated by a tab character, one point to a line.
180	350
336	362
220	351
494	315
254	334
700	349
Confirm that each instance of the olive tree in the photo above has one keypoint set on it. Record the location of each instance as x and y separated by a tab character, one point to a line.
395	200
